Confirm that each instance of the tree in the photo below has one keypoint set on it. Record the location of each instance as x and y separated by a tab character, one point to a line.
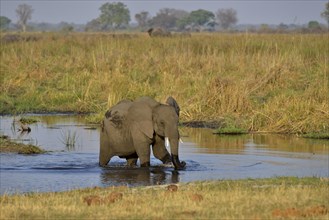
66	27
183	22
94	25
314	25
201	17
142	18
4	22
24	13
325	13
226	17
114	15
167	17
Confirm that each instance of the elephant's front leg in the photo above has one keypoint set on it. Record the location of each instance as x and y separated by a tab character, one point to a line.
143	151
160	151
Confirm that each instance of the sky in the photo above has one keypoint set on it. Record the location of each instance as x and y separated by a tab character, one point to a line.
248	12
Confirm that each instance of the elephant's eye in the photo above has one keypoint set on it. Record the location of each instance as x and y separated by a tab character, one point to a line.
162	122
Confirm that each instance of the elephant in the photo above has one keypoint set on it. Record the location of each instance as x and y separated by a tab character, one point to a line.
158	32
129	128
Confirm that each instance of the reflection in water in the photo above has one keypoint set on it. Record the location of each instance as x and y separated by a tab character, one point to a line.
237	144
138	176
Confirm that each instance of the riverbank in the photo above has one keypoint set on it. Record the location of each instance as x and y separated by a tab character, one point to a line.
260	83
8	146
275	198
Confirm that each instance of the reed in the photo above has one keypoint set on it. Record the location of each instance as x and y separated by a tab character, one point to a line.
273	82
69	139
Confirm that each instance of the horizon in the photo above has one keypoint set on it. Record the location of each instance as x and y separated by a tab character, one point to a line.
248	12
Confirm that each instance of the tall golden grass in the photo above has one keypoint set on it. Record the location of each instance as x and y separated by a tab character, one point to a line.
272	82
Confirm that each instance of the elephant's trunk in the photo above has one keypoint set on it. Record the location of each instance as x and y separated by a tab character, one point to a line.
173	144
104	157
104	153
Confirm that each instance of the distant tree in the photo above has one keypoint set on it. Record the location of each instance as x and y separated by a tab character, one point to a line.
94	25
183	22
167	17
314	25
114	15
283	27
325	13
4	22
201	17
264	28
142	18
66	27
24	13
226	17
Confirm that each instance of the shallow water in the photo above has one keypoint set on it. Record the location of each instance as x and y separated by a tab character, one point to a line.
208	157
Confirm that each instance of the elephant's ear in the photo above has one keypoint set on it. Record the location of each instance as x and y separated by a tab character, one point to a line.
146	127
172	102
140	117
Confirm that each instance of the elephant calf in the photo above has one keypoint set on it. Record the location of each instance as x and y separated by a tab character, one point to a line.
130	127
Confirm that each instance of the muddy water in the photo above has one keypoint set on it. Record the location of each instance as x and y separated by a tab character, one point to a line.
73	145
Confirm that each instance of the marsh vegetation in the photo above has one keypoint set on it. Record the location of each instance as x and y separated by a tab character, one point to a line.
259	82
9	146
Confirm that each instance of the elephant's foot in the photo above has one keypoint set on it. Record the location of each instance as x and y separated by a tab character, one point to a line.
179	165
146	164
166	159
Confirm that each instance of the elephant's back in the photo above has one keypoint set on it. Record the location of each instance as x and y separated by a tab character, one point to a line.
148	100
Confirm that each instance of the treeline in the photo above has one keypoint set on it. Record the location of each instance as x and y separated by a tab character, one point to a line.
116	16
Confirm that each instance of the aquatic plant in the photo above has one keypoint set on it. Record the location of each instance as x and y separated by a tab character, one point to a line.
69	138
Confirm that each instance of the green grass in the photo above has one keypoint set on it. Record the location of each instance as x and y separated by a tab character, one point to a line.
276	198
27	120
269	83
317	135
230	126
230	131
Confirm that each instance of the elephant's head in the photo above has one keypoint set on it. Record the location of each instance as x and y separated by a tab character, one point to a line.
165	124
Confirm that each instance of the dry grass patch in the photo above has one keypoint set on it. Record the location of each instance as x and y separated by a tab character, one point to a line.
275	83
277	198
